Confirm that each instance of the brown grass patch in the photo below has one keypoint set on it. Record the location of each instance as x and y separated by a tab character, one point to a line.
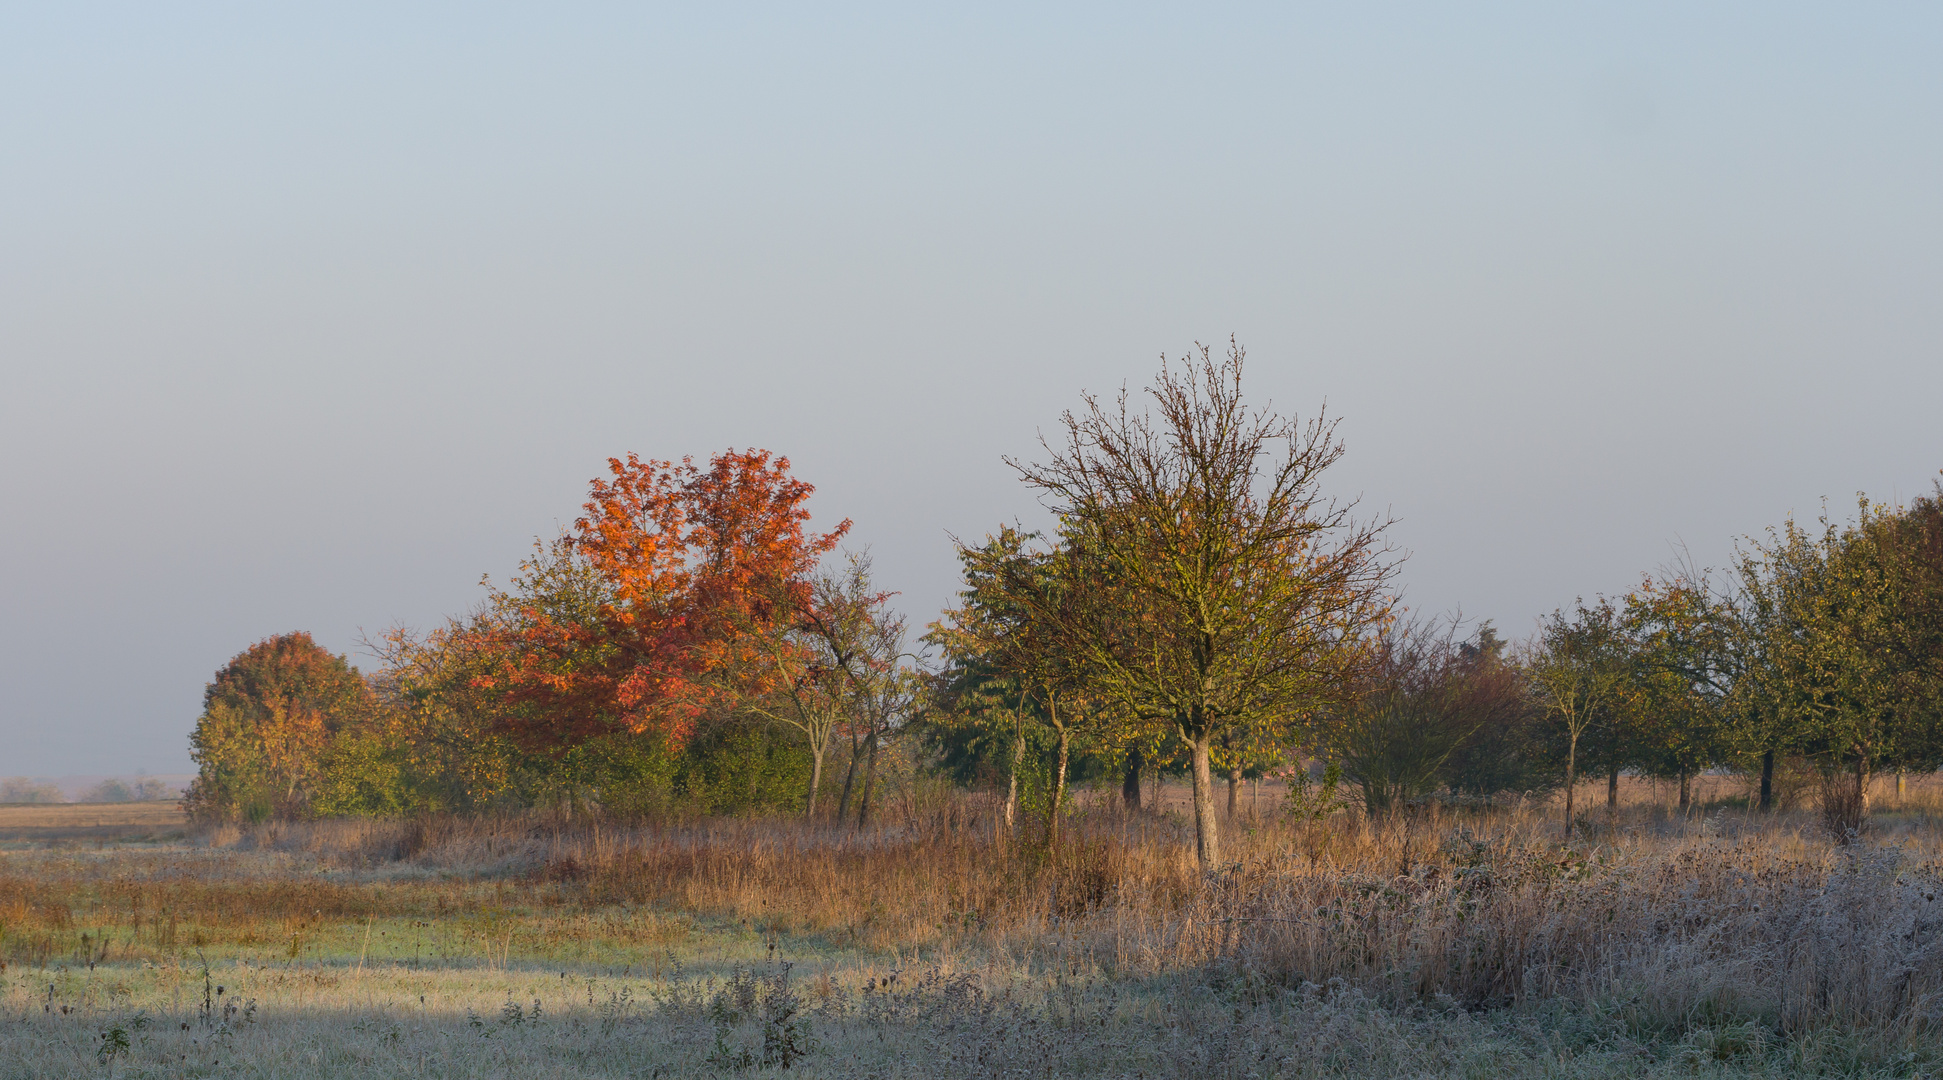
44	822
1724	914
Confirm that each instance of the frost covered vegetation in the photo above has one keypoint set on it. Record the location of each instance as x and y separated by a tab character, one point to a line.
1479	943
684	796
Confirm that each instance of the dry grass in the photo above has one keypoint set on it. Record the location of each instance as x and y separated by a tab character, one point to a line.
285	1021
1466	943
43	822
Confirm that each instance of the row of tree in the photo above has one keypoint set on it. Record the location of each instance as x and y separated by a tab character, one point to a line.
1199	606
1825	644
27	789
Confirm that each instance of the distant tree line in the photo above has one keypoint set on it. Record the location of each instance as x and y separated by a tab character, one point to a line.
25	789
1199	607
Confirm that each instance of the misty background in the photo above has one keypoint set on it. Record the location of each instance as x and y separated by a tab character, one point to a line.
309	319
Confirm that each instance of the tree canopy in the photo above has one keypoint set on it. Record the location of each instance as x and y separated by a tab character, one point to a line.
1222	585
271	719
1198	603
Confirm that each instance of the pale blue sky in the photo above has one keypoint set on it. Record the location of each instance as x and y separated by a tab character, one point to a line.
309	319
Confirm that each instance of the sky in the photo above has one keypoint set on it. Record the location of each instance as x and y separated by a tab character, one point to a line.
311	317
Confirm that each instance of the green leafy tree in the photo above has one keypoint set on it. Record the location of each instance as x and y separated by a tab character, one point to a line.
1849	668
1016	604
1222	586
453	714
1577	672
1676	712
271	720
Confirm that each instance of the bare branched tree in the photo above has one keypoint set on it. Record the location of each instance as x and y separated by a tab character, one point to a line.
1221	584
826	658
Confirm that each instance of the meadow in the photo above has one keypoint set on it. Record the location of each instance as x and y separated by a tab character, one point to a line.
1450	941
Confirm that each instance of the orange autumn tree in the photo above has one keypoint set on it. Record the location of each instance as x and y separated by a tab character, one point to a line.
701	569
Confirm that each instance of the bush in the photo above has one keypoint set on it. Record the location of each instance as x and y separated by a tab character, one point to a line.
739	767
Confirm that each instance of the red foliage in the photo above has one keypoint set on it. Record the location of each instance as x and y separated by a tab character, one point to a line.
703	568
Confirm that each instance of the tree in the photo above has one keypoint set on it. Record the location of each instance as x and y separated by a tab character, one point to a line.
117	790
269	720
1678	698
885	693
823	662
1904	547
456	713
1850	666
1514	748
977	724
25	789
1008	624
1576	673
700	571
1222	586
1913	551
1419	698
1759	636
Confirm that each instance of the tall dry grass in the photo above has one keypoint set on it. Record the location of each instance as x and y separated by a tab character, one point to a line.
1674	920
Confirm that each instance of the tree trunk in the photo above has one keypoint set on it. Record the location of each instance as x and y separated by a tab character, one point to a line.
870	778
1899	787
1207	830
1234	793
1686	791
1012	793
816	779
1612	787
1058	791
1862	783
1767	781
849	775
1130	783
1571	779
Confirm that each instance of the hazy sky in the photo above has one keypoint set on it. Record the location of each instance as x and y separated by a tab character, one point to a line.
308	320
